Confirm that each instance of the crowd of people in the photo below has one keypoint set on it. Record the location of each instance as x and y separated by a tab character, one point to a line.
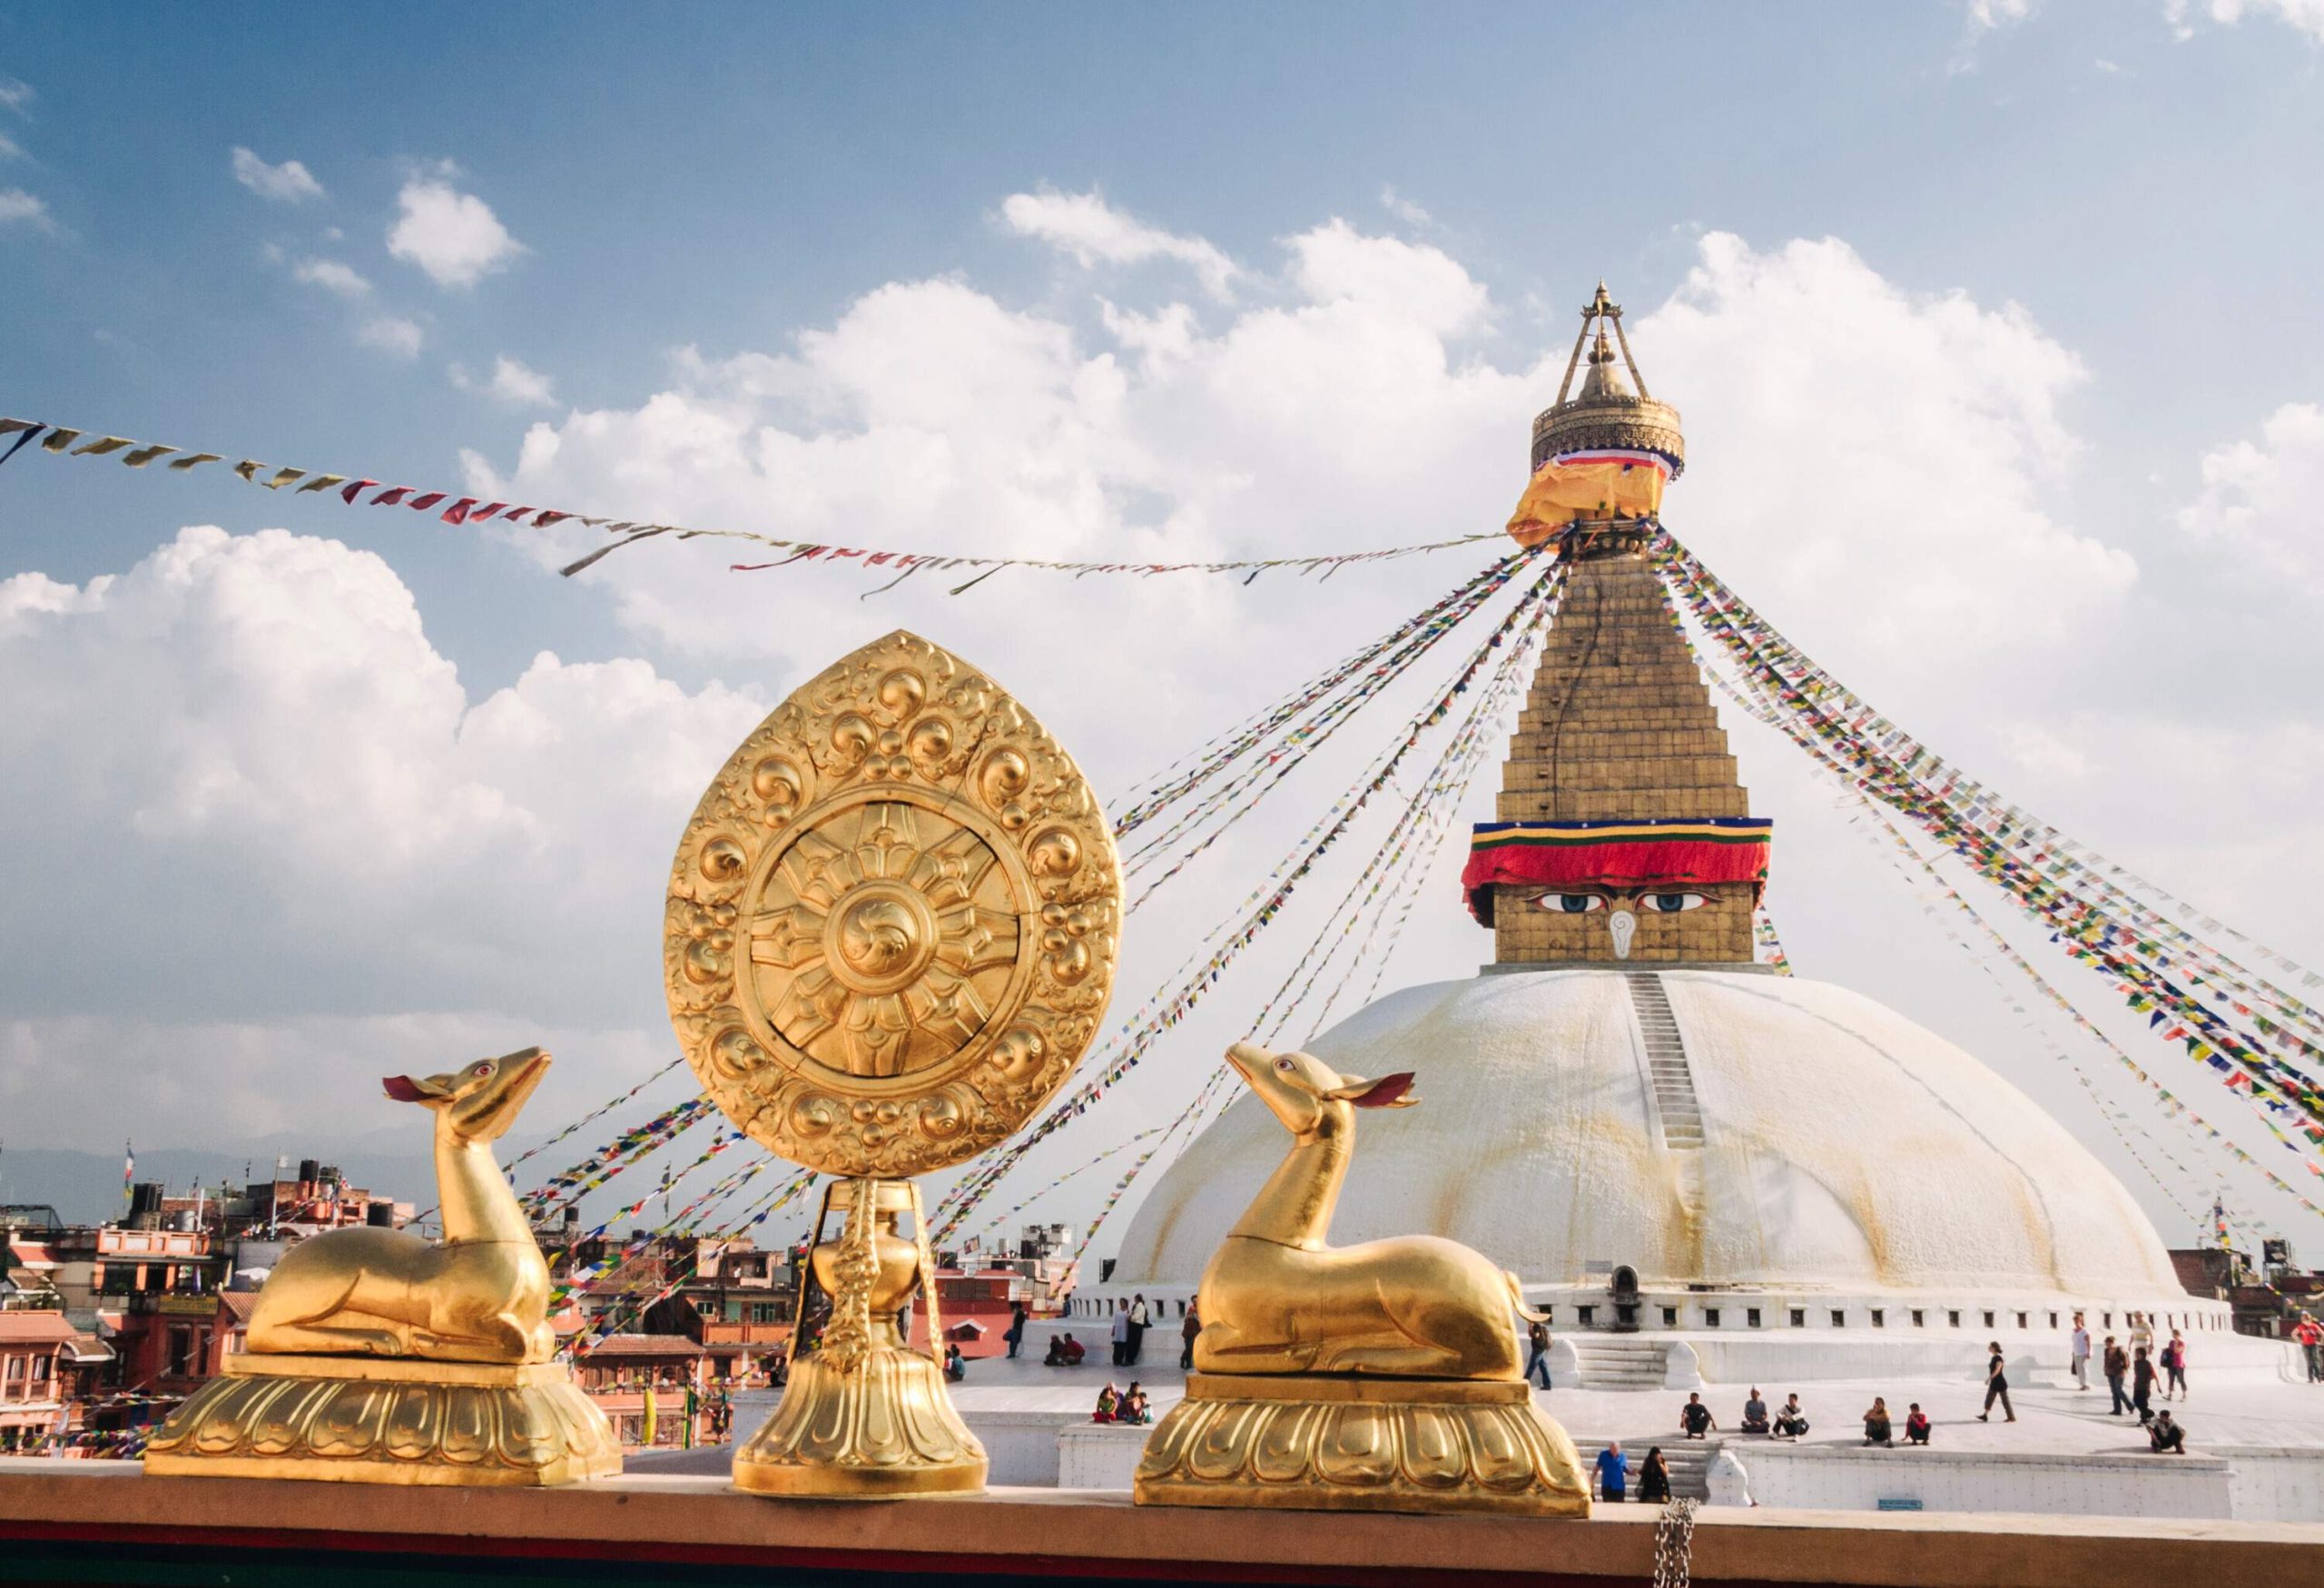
1128	1405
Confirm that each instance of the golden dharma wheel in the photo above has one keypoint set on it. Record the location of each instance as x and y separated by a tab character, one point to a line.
891	922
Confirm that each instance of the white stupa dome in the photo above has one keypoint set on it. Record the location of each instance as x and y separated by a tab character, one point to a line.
1843	1150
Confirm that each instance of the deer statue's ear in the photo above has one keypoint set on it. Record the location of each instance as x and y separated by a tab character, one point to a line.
1387	1092
405	1090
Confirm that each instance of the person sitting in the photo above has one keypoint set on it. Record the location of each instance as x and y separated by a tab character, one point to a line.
1133	1405
1073	1351
1916	1426
1654	1481
1792	1421
1694	1418
1055	1357
1109	1402
1875	1423
955	1366
1755	1413
2165	1435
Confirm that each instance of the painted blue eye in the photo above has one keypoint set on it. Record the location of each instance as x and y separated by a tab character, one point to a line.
1570	903
1670	903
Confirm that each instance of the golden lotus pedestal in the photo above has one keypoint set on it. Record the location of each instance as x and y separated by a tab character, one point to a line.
387	1420
1315	1443
882	1431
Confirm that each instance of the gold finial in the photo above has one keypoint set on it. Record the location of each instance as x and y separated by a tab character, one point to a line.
1606	412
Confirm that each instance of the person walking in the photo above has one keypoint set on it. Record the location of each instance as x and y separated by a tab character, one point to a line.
1188	1328
2142	1334
1613	1470
2141	1383
1996	1387
1537	1337
1654	1479
2081	1352
2117	1364
2174	1366
1121	1336
2311	1346
1136	1330
1015	1334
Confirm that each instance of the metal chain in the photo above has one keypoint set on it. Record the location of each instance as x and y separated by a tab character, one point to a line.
1674	1545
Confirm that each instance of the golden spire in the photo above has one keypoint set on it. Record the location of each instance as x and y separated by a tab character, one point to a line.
1605	412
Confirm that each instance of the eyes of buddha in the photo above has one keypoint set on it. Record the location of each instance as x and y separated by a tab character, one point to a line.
1654	904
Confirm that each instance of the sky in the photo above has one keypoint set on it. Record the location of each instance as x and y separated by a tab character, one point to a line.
1992	325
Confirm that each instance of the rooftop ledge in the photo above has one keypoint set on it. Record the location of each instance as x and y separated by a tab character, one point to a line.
60	1518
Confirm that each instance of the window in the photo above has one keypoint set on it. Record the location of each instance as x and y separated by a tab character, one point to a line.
16	1370
1670	1317
1839	1318
1710	1318
1751	1317
2054	1320
42	1368
180	1352
1953	1319
1989	1320
1879	1318
2109	1318
1919	1318
1586	1313
1799	1317
2020	1320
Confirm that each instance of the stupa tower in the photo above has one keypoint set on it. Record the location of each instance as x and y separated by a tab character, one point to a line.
1621	831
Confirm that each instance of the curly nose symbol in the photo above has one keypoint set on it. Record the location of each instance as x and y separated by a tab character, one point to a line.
1620	925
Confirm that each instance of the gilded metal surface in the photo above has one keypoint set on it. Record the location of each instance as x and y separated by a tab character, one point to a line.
480	1296
1302	1443
1604	413
890	926
864	1416
387	1421
376	1357
1375	1377
1277	1297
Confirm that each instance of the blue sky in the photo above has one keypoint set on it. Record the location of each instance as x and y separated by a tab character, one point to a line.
2042	274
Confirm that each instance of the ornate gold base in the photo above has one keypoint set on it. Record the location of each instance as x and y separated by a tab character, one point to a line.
1312	1443
886	1429
387	1420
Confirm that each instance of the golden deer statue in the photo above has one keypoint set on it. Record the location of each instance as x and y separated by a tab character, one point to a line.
1383	1376
376	1357
481	1296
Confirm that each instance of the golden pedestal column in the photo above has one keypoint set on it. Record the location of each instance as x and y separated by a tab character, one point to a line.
865	1417
890	937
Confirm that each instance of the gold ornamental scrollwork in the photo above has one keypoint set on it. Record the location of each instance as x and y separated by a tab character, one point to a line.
892	922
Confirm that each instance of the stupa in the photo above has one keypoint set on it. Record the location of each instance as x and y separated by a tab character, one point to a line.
1654	1131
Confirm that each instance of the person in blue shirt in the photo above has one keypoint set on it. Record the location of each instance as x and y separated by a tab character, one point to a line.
1613	1473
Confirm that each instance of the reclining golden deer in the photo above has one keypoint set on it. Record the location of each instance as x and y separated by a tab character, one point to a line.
1276	1299
481	1296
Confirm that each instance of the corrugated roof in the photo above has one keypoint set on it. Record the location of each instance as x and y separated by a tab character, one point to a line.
21	1326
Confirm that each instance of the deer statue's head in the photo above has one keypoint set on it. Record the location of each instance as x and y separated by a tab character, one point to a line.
480	1102
1302	1091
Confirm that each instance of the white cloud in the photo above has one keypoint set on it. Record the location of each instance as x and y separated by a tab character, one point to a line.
17	205
18	97
1403	208
10	149
453	236
1984	15
2257	505
1847	436
331	276
391	333
1335	263
512	382
1093	231
314	818
289	183
2305	16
